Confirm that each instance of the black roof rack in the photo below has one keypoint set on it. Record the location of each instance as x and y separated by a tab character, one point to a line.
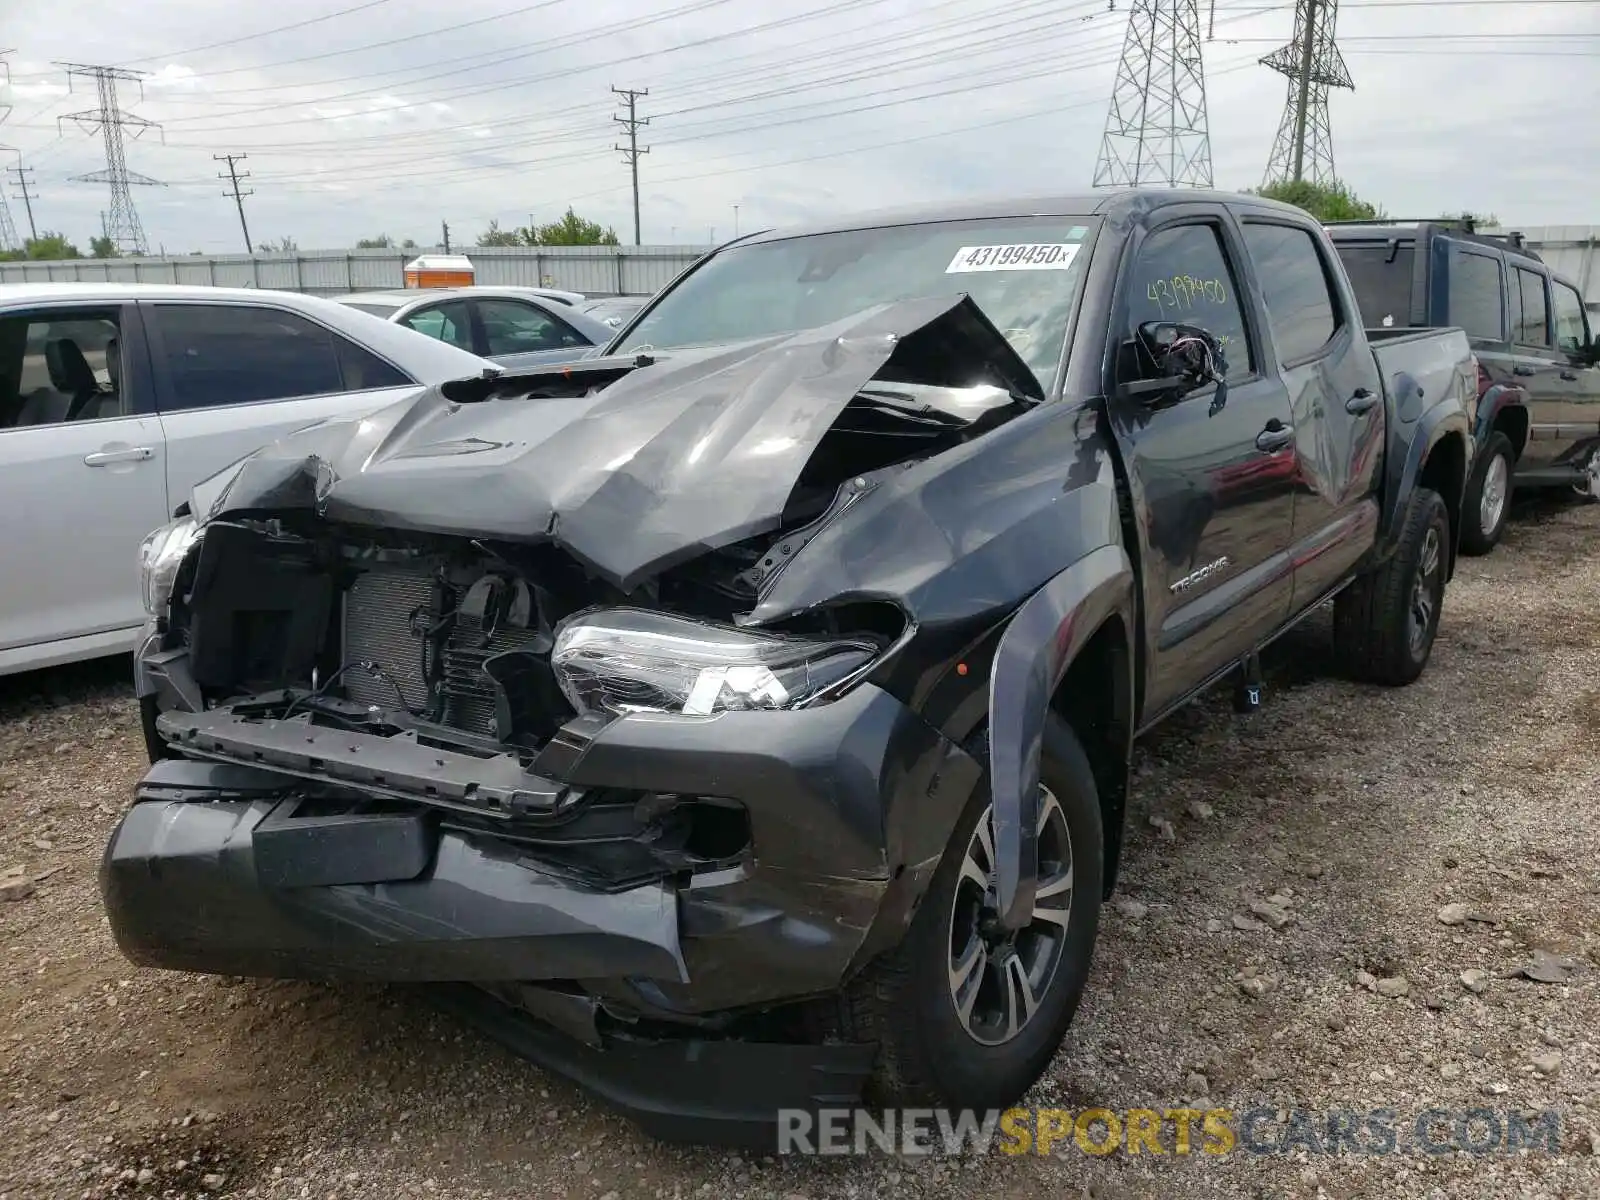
1512	237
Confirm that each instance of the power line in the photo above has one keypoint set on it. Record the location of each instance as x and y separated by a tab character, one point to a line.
1314	65
22	182
250	37
233	177
631	152
123	226
1156	126
8	231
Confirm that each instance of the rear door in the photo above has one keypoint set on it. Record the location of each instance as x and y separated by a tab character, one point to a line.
1335	398
1538	367
82	478
1578	380
1213	472
232	376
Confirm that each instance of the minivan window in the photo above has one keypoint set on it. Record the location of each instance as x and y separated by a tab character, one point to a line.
1475	295
1533	318
1380	277
1022	272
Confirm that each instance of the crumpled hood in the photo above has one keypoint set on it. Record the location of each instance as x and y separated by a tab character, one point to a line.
687	453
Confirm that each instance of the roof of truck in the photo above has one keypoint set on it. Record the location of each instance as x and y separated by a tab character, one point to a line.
1107	203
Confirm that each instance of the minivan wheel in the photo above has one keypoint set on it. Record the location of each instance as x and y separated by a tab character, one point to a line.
1487	503
964	1014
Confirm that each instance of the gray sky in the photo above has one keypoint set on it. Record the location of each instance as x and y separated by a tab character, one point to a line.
498	109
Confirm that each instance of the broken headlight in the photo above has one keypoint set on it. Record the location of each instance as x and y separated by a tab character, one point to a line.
625	660
160	556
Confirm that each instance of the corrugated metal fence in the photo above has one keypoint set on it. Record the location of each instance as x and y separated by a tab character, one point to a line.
593	270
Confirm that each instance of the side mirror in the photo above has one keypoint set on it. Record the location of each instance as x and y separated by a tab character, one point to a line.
1175	359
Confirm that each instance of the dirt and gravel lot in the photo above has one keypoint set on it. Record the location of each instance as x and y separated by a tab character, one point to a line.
1325	906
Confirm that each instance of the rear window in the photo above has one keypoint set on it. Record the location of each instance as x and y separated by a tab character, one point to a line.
1382	285
378	310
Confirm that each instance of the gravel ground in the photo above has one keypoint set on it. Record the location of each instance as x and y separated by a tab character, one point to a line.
1324	906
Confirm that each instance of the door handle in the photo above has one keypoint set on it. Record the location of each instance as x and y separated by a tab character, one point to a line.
1521	370
104	458
1570	376
1274	437
1360	401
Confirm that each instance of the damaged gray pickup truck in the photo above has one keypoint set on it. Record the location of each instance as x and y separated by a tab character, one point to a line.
741	721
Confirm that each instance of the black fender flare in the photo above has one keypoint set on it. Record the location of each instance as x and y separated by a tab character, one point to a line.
1411	447
1040	642
1494	402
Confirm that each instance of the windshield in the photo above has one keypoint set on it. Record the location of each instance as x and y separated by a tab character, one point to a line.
1021	271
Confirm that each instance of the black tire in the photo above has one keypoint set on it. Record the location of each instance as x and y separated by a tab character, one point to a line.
905	1003
1373	629
1497	457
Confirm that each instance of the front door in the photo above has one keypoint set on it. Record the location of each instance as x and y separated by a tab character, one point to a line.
1335	397
1578	379
1538	368
1213	473
82	480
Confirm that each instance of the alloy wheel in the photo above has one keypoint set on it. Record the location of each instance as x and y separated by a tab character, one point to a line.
1496	487
1424	590
999	979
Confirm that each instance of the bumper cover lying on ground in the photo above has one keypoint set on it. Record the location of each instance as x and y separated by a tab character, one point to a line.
217	867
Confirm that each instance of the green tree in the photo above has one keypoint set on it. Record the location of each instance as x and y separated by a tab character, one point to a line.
408	244
281	246
382	242
570	230
50	246
1476	220
104	247
1332	202
495	236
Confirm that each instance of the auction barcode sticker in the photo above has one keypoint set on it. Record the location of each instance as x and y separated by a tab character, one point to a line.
1026	256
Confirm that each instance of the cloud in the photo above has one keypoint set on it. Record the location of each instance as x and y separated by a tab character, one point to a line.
791	110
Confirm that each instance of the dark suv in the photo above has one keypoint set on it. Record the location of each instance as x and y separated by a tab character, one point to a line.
1538	420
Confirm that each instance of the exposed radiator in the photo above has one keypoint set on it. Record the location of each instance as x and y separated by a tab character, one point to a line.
386	611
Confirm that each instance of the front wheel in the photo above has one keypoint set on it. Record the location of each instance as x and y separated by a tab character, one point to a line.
968	1016
1488	498
1385	623
1589	486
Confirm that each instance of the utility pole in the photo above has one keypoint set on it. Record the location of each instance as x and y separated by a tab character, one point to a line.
110	119
1156	130
735	220
446	227
233	176
631	152
1303	148
8	232
22	181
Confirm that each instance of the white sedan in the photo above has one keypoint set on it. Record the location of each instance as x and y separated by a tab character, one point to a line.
115	399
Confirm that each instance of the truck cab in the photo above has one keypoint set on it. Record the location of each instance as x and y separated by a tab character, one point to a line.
1538	416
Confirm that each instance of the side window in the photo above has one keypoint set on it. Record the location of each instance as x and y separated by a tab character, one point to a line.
1533	321
364	370
60	366
1181	274
1572	330
1294	284
513	328
1475	295
447	322
222	354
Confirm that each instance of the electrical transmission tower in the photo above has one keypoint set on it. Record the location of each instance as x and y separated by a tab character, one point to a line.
1303	149
122	221
233	177
8	231
631	152
1156	129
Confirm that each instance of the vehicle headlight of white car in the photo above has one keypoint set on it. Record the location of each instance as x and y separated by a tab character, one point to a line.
160	556
625	660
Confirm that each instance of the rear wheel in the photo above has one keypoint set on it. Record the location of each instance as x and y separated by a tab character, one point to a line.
964	1014
1488	499
1384	624
1589	486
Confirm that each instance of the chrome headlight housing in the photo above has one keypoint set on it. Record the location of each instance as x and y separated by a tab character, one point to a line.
160	556
623	660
